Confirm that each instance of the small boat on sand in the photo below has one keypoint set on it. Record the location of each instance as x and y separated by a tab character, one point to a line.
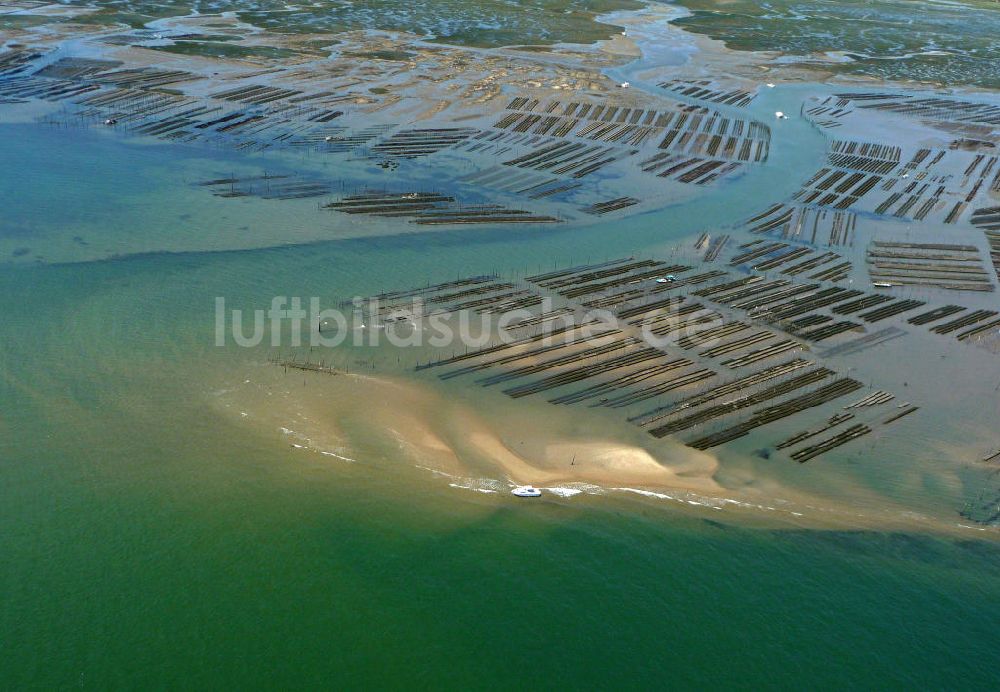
526	491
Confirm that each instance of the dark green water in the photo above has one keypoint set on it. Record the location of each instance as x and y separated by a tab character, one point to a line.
225	572
148	541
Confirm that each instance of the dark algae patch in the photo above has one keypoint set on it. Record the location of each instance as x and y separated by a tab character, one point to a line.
483	23
22	21
225	50
392	55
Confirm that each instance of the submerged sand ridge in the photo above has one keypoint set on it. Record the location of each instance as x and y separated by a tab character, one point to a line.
801	381
351	414
398	427
836	252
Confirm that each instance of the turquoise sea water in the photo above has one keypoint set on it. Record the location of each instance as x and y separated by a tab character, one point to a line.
148	541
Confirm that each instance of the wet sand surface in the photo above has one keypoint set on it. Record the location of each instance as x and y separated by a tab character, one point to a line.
157	161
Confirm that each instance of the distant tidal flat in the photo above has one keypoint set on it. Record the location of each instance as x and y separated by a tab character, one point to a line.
177	513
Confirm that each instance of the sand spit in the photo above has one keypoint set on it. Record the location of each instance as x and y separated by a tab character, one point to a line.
397	427
354	415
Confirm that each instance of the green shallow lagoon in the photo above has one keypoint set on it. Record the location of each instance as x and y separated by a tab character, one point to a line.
150	542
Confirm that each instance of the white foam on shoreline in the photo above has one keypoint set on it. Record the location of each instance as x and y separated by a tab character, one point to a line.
562	492
338	456
716	503
307	443
493	486
480	485
466	487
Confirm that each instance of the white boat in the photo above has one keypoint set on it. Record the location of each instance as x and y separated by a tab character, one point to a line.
526	491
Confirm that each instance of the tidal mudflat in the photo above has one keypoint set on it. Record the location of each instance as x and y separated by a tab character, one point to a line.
294	296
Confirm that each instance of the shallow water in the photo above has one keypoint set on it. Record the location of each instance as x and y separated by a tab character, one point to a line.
150	539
